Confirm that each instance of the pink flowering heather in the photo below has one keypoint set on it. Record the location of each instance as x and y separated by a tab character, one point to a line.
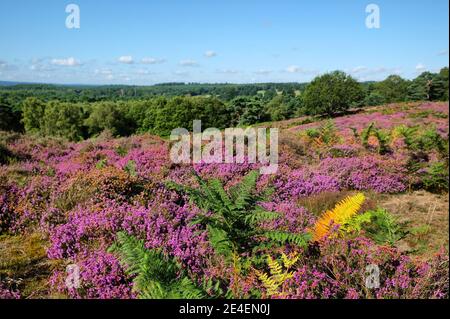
80	195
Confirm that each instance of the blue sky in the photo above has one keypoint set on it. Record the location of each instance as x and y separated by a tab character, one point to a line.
148	41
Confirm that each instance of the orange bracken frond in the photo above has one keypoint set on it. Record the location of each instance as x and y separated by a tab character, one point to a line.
340	214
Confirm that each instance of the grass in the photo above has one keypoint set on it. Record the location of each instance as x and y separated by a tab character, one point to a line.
428	219
23	261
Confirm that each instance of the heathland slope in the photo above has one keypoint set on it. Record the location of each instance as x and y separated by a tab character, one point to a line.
64	203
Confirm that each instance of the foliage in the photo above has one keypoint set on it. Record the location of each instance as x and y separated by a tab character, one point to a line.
81	112
5	154
109	116
130	168
392	89
283	107
332	93
339	215
374	98
384	228
278	276
80	195
157	276
33	114
9	118
382	137
428	86
246	111
233	218
436	177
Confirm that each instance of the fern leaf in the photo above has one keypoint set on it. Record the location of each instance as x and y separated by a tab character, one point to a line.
246	189
156	275
259	215
300	240
339	215
220	243
275	267
289	261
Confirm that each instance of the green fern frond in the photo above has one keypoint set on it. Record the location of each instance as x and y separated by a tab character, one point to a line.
245	190
220	242
259	215
157	276
300	240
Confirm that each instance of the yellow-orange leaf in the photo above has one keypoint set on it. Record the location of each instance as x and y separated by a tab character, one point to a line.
340	214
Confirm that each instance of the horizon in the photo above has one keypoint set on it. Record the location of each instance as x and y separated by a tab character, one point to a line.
148	43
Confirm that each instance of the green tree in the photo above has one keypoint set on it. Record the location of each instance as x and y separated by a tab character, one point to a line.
393	89
246	111
149	121
374	98
63	120
211	111
443	75
427	87
110	116
33	111
332	93
9	118
283	107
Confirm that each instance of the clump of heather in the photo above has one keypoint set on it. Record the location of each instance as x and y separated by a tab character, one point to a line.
366	173
336	268
6	293
7	195
101	277
304	182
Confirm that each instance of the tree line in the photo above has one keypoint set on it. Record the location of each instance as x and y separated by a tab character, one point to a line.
328	95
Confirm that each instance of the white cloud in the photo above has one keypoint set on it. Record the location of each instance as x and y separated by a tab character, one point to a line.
420	67
210	54
227	71
66	62
127	59
443	52
5	66
263	72
373	74
358	69
152	61
39	67
188	63
295	69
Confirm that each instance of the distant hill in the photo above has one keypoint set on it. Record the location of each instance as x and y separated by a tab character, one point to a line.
8	83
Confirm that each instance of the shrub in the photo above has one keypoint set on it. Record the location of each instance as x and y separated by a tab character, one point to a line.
383	228
5	154
63	120
33	114
10	119
110	116
436	177
332	93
